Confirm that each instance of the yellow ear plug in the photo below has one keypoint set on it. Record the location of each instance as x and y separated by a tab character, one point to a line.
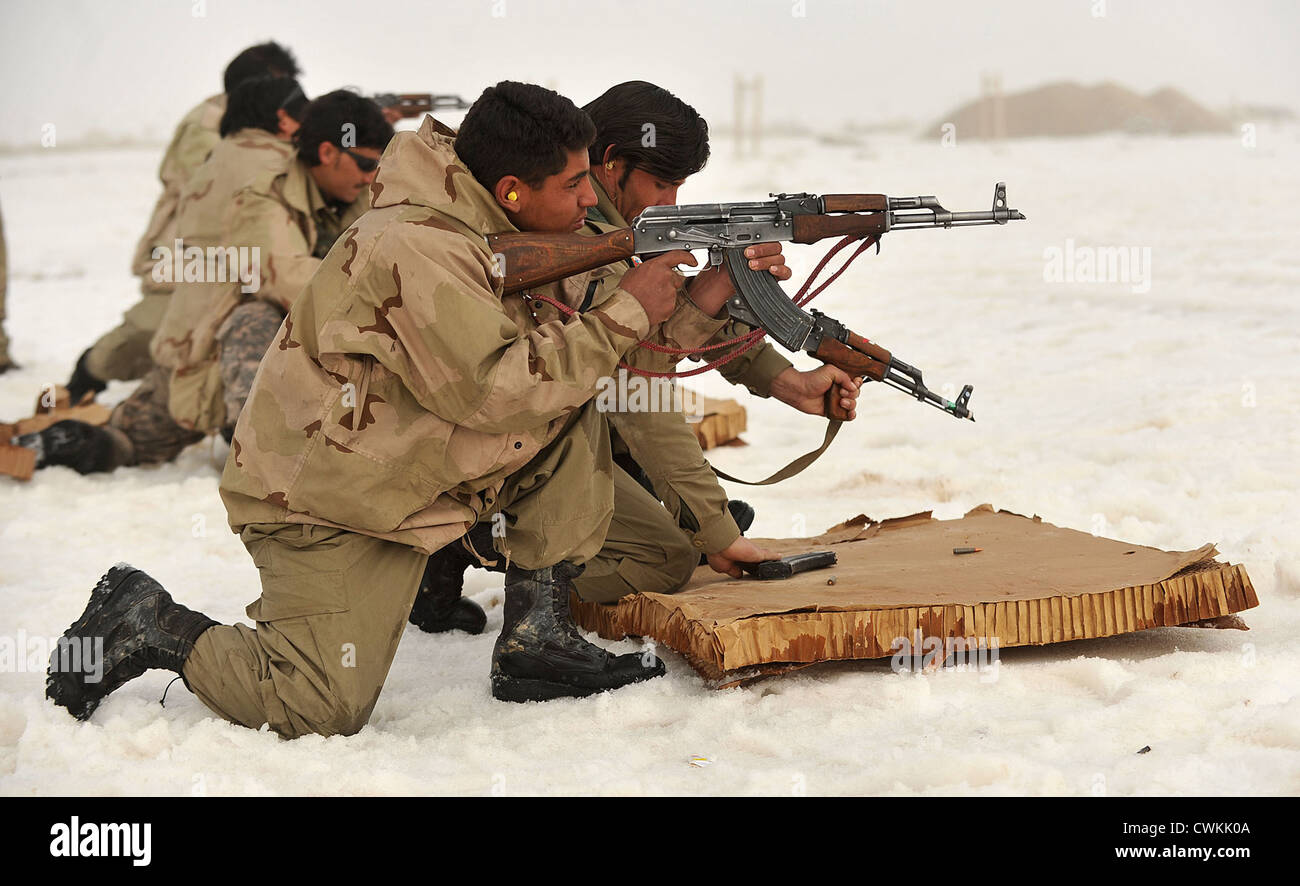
512	196
609	165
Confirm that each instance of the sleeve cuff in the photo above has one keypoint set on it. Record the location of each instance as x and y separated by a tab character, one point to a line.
716	533
766	364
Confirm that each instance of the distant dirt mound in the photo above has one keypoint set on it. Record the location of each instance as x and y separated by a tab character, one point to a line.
1074	109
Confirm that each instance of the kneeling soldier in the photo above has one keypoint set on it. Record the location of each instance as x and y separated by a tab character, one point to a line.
403	399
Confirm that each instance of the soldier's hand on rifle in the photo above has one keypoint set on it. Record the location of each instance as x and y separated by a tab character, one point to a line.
655	283
806	391
742	550
710	289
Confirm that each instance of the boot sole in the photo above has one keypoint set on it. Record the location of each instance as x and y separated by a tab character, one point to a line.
67	689
522	689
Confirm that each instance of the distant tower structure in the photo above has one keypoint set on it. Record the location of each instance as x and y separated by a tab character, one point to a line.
993	107
749	93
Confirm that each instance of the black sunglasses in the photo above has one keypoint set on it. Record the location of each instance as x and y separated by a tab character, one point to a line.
364	163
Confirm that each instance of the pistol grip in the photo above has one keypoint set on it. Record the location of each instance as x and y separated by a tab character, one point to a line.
833	408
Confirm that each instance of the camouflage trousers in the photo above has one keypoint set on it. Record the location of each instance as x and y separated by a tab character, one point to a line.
643	550
142	425
334	603
332	610
123	353
551	511
244	338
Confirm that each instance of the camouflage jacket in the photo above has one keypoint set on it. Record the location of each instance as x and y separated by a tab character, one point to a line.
403	389
185	337
196	135
281	213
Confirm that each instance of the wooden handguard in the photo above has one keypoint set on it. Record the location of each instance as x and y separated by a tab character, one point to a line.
811	228
862	360
855	202
529	260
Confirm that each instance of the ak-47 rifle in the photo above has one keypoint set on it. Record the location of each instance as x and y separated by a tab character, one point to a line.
725	229
413	104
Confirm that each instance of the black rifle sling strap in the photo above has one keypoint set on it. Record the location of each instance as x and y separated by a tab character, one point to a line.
794	467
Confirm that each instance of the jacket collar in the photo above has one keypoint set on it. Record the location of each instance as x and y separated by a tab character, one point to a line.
604	211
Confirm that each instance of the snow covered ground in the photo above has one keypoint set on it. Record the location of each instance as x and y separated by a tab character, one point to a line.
1159	409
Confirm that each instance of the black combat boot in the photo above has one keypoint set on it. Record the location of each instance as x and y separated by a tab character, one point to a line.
139	626
540	655
742	512
439	605
82	381
85	448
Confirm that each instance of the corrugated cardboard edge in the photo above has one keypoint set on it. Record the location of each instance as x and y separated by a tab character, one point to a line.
17	461
1203	590
715	422
90	413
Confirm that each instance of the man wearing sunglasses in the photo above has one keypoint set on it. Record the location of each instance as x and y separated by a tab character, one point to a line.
293	218
286	217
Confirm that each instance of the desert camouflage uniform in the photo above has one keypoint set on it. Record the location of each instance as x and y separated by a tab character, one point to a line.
123	353
280	211
5	360
403	400
172	407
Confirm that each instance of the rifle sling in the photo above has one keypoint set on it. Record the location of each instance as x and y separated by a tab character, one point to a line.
794	467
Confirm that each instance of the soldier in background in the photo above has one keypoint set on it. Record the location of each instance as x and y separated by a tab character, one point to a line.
290	211
293	217
123	353
630	173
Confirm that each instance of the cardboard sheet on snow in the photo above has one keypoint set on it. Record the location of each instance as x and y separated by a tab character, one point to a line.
1033	583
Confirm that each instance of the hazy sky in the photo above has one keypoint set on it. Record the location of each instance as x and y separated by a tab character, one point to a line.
132	67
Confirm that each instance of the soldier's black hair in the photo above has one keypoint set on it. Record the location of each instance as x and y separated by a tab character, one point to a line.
523	130
651	129
268	59
340	116
253	104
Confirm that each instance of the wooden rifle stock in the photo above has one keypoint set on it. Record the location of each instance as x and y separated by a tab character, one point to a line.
530	260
